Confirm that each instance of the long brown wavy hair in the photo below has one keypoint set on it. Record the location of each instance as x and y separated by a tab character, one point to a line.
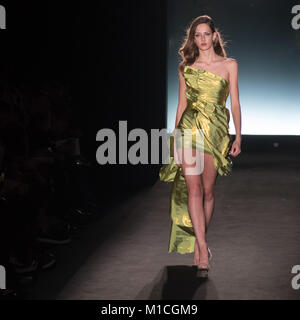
189	50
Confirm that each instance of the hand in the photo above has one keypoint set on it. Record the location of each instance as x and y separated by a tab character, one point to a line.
235	148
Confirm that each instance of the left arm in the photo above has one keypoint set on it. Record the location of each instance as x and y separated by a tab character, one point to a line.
235	106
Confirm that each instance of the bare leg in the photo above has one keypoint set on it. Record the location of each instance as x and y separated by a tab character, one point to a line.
208	176
195	205
209	180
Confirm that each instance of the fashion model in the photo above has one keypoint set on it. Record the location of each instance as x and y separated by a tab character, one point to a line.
206	77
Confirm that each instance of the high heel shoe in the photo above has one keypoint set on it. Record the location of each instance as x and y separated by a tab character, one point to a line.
209	254
202	269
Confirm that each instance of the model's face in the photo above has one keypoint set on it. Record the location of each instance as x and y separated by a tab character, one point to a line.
204	36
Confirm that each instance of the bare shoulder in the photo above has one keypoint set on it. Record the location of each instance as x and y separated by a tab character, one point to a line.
180	69
231	64
180	72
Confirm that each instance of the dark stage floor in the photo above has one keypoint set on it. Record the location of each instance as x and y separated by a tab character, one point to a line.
254	236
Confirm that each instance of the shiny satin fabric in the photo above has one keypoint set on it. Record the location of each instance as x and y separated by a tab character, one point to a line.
206	94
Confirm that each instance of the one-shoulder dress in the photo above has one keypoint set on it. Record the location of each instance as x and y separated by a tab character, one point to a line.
206	94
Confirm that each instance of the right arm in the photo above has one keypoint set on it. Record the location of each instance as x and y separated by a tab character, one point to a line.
182	103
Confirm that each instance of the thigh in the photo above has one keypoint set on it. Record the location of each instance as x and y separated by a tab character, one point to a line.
209	174
198	168
192	163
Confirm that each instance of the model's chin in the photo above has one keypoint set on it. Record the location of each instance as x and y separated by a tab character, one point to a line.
204	47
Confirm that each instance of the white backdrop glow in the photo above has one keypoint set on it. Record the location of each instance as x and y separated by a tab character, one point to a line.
261	38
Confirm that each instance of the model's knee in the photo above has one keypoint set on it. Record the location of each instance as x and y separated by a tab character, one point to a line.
208	194
195	190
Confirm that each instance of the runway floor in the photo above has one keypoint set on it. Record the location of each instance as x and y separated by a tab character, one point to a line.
254	237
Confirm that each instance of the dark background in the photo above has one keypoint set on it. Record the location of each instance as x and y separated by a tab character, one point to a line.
114	57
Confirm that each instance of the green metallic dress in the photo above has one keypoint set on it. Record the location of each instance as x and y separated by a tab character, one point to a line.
206	94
